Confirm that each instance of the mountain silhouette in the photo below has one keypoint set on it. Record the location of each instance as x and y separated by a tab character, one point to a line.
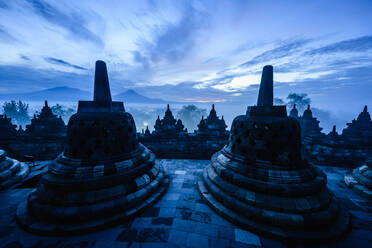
68	94
132	96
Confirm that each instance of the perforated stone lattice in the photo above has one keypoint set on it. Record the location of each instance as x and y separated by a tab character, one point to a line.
104	137
266	138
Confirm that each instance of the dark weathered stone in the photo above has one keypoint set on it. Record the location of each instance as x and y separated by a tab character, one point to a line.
349	149
104	175
309	124
361	179
294	112
169	126
265	96
171	140
101	84
359	130
43	139
260	181
46	124
212	125
11	171
7	129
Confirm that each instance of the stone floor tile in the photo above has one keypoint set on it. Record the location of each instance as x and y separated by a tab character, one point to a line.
166	221
207	229
141	222
167	212
180	172
171	196
269	243
219	243
197	240
168	203
247	237
151	212
177	237
226	232
183	225
203	208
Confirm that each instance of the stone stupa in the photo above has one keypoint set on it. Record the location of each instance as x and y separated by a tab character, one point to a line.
260	181
46	124
103	177
309	124
361	179
212	125
11	171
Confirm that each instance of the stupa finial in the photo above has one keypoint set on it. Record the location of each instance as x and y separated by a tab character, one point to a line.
46	103
101	83
265	96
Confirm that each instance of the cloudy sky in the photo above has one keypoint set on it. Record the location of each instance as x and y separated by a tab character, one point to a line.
192	50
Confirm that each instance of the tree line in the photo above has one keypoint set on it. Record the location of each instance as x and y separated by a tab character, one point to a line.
189	114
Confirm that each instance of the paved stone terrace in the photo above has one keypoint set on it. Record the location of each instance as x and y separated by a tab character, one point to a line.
182	219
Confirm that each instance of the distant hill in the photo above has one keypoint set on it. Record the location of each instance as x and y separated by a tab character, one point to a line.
67	94
132	96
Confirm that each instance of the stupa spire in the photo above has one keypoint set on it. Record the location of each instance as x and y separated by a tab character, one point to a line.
265	96
101	83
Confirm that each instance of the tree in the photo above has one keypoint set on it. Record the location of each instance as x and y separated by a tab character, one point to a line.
18	111
301	101
63	111
190	116
279	101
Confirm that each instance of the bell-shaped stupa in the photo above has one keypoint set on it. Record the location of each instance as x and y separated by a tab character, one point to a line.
11	171
104	175
260	181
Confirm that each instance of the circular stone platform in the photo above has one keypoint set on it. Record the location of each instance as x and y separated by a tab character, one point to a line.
11	171
74	199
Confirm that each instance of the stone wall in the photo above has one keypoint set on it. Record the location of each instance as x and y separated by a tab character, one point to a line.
335	154
40	149
192	147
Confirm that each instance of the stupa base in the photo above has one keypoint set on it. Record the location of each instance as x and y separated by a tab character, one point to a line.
339	226
43	227
12	173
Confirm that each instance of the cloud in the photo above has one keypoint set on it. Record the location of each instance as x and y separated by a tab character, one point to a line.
285	50
63	63
73	22
3	5
178	40
20	79
24	57
5	36
360	44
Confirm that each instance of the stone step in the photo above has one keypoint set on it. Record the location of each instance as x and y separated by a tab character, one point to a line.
20	174
11	171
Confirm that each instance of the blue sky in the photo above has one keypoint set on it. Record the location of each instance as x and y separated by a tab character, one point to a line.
192	50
